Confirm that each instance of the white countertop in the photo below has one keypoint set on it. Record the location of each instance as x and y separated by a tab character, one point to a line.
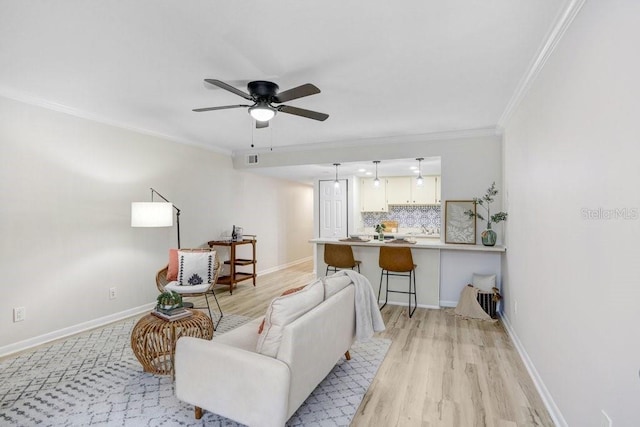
421	243
401	232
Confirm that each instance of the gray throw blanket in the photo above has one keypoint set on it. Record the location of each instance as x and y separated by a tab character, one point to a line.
368	317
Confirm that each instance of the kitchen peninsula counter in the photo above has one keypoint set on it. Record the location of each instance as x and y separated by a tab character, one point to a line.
420	242
443	269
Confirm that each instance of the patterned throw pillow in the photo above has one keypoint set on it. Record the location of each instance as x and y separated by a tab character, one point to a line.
195	268
172	269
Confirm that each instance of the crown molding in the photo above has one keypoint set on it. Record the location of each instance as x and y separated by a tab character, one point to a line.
61	108
555	35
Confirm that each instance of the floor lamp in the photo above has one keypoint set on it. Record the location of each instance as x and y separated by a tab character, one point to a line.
155	214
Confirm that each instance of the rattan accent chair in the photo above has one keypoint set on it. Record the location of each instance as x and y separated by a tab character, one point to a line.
339	257
189	291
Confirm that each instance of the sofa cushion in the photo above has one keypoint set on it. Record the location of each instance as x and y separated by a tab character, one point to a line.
195	268
243	336
335	283
284	310
182	290
287	292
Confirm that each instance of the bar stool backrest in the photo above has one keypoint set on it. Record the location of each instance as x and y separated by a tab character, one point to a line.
398	259
340	256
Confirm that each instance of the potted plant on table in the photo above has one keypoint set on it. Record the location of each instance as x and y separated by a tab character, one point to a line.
169	300
380	230
488	235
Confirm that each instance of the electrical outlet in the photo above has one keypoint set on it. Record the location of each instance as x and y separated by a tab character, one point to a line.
607	421
19	314
113	293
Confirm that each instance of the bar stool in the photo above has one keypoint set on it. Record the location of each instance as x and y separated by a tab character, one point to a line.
397	261
339	257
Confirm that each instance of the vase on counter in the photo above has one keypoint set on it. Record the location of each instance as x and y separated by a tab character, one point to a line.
489	236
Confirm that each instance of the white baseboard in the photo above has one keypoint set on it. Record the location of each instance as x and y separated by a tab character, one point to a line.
283	266
71	330
436	307
448	303
549	403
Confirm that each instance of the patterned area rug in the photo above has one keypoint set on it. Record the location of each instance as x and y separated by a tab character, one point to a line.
94	379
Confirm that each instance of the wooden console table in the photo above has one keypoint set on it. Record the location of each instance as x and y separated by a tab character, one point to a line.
234	275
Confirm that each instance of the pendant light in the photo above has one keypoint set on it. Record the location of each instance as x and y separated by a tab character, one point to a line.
376	182
420	179
336	183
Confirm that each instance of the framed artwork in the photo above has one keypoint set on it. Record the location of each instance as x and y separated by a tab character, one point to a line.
458	227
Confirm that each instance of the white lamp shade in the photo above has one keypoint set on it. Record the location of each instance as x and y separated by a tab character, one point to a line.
151	214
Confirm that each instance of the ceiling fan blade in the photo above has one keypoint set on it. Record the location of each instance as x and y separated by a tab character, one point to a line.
260	125
303	113
230	88
224	107
296	92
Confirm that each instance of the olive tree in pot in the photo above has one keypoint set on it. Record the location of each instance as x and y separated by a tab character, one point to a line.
488	235
380	230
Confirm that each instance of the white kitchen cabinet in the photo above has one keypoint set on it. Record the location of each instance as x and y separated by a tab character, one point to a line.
424	194
399	190
404	190
374	199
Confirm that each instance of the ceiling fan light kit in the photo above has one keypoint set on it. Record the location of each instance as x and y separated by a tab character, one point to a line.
262	112
264	94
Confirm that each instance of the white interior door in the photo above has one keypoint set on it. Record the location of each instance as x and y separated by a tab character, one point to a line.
333	209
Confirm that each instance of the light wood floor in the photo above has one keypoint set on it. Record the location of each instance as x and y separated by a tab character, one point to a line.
440	370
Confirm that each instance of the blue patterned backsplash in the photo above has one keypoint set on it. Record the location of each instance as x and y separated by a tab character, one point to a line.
407	216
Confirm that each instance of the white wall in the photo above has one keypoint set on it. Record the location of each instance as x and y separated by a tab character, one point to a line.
572	145
66	186
469	163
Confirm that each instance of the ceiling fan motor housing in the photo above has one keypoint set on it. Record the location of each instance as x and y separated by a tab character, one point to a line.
263	89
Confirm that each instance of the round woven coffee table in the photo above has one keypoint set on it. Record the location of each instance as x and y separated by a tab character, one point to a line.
153	339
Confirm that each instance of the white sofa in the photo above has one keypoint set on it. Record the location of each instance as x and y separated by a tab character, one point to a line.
308	332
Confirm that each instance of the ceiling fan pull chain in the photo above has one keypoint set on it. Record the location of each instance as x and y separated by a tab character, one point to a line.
252	131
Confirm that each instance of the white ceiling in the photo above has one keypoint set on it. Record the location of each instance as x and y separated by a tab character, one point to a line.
384	68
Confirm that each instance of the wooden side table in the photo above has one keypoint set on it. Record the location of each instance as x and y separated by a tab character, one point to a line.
153	339
236	276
